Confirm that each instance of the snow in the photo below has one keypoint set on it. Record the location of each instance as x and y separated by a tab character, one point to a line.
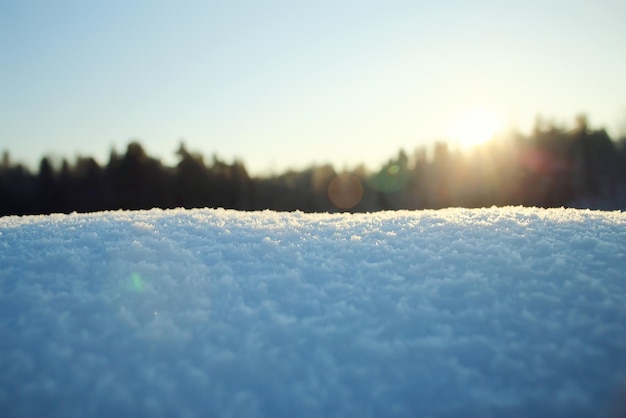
497	312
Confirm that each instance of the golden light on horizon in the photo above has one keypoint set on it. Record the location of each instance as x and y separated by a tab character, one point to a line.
474	127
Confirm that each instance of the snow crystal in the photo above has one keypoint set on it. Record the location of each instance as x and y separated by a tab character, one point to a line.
478	313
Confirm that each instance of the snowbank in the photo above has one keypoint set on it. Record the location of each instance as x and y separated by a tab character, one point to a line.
476	313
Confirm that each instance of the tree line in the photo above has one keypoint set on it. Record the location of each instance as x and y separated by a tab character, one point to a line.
551	167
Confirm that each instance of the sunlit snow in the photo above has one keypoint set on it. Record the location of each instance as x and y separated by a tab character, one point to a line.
210	313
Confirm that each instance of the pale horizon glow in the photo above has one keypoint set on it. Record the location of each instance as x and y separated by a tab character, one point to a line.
282	85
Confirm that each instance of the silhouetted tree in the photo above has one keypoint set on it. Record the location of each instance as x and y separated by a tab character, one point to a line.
47	193
138	181
553	166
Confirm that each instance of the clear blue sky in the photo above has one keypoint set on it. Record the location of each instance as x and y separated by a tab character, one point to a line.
286	84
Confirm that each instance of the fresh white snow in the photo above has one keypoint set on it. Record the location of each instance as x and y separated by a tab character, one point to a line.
511	312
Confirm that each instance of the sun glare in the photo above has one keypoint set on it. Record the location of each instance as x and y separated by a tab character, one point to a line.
473	127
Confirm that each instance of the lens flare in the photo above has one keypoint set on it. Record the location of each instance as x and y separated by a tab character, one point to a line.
345	191
136	282
391	178
393	169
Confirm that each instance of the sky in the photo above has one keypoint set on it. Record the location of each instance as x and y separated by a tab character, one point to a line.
501	312
283	84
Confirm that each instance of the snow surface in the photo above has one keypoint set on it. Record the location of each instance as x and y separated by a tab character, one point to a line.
508	312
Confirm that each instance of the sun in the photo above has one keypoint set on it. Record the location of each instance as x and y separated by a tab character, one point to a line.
473	127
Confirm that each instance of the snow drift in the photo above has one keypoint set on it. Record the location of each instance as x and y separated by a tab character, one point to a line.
193	313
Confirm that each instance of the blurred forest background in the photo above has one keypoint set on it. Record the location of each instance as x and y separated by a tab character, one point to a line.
551	167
